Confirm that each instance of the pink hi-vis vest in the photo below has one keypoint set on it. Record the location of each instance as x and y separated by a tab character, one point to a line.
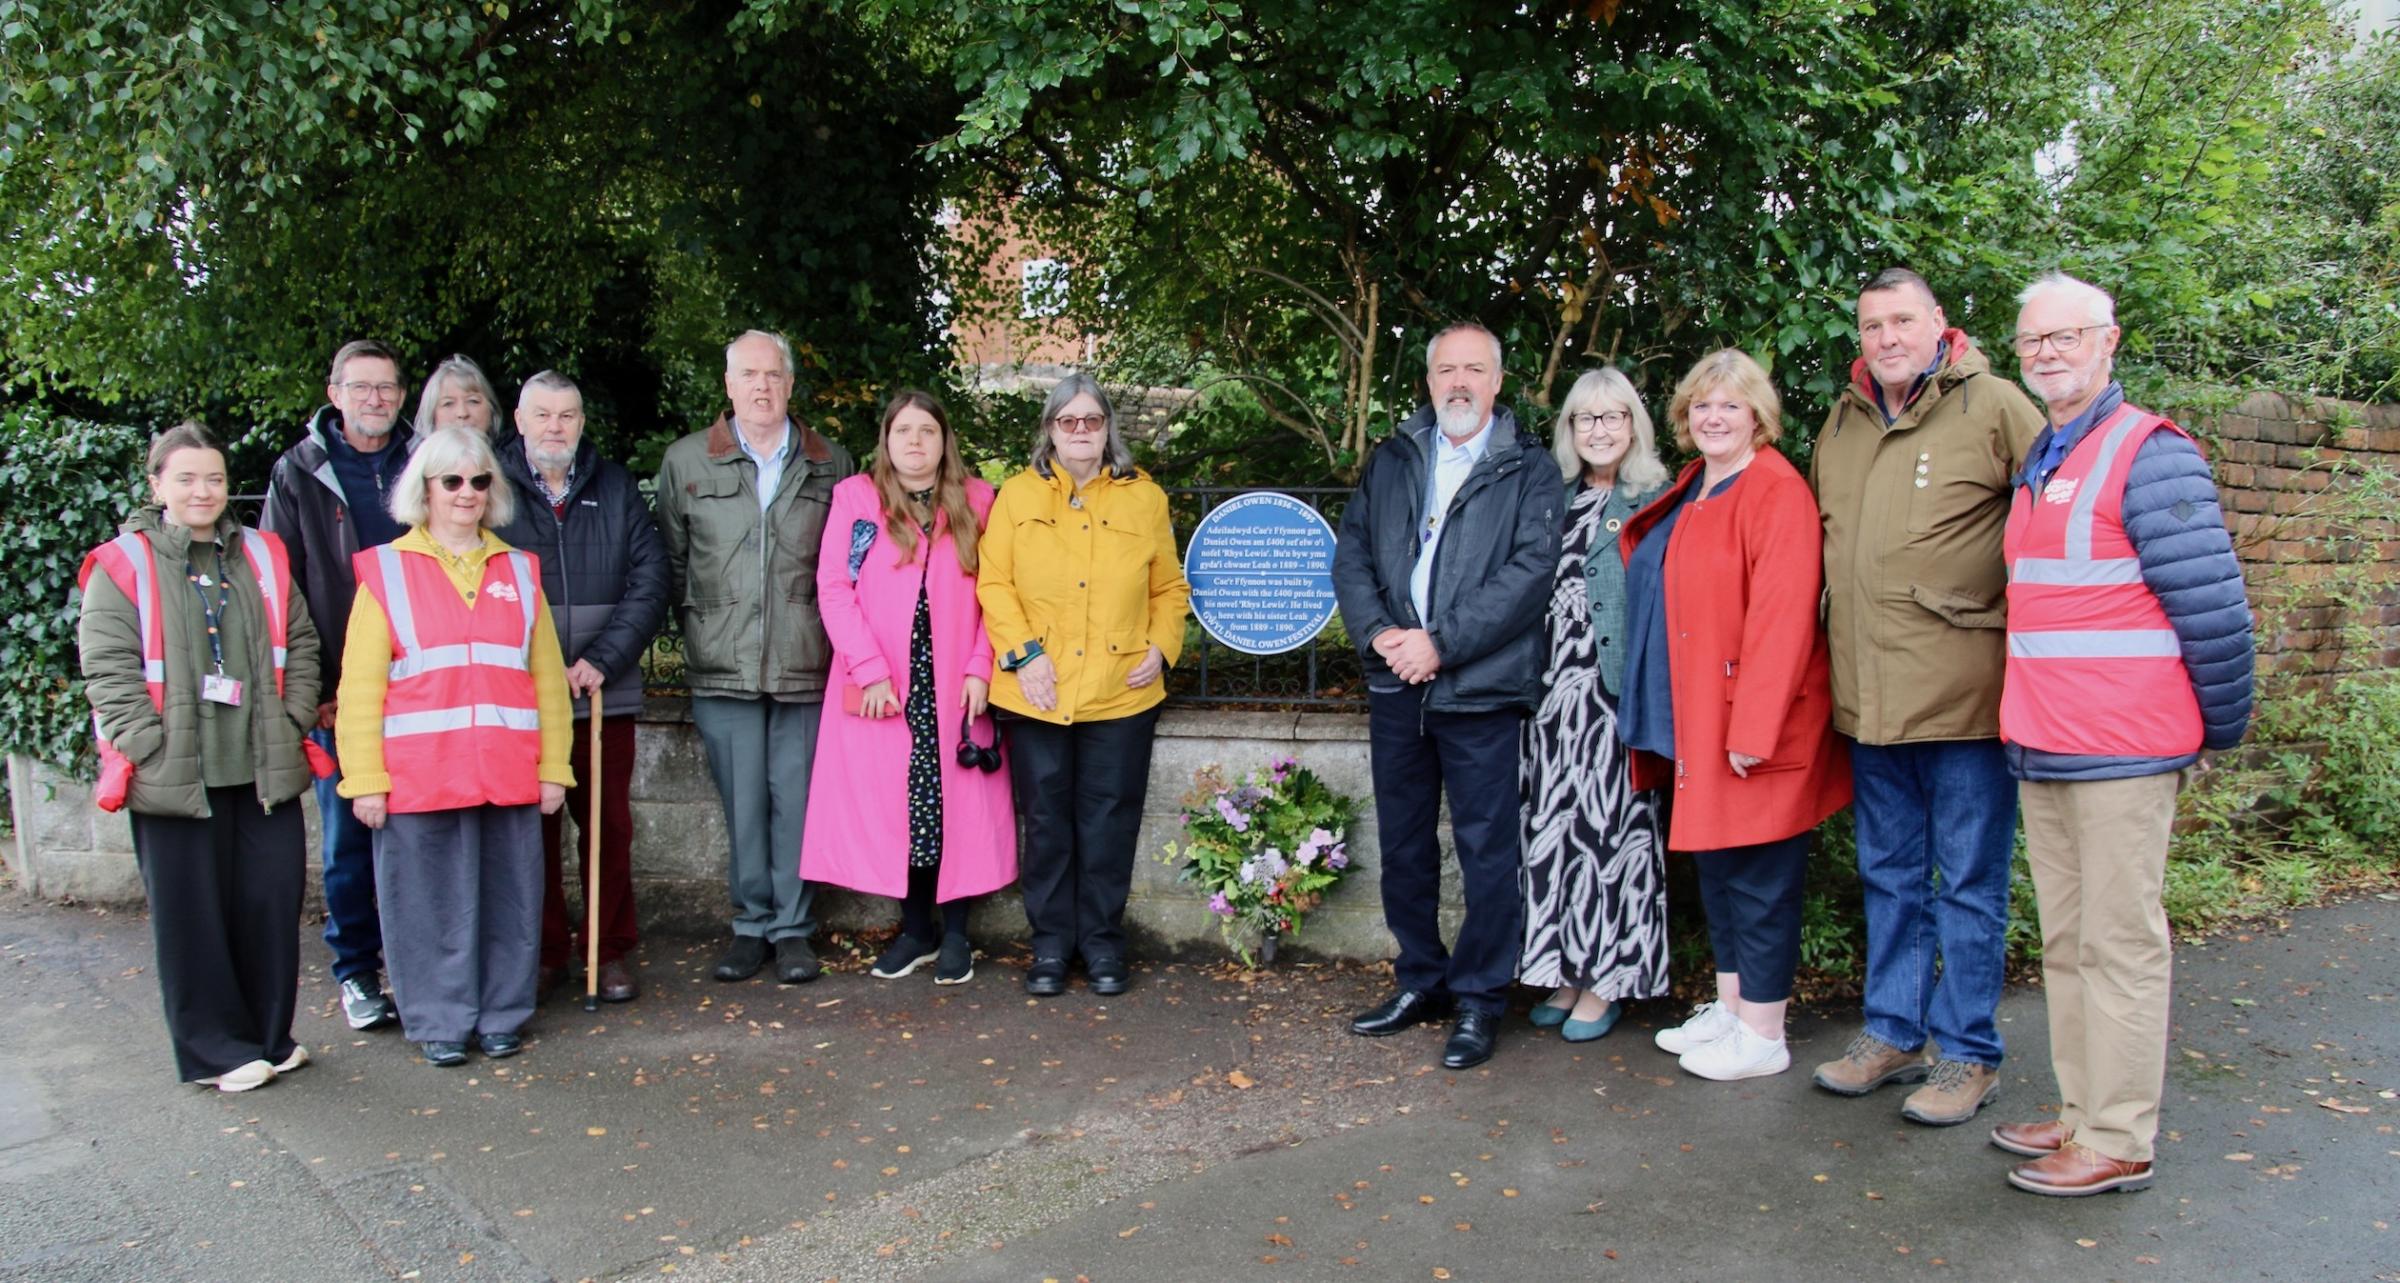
128	562
461	724
2094	666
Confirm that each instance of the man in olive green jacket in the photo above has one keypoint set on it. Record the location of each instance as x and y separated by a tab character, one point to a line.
741	508
1913	472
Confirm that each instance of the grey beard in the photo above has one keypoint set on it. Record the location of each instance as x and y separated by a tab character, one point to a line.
548	461
1457	420
371	434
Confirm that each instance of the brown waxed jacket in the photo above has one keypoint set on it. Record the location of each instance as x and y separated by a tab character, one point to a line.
1915	590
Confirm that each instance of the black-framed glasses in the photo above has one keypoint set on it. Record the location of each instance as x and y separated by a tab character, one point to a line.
1077	425
971	754
451	481
1613	420
2060	341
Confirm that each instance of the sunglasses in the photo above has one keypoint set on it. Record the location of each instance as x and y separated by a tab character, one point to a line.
973	754
451	481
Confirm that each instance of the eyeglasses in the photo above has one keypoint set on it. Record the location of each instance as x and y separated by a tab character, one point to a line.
1613	420
451	481
2060	341
380	391
1075	425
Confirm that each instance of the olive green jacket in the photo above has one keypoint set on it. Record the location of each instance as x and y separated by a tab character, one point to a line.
164	745
1915	590
745	584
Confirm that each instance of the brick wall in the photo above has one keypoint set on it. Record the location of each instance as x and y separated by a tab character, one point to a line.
2309	493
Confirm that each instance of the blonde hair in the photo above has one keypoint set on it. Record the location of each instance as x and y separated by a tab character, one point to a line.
463	371
1733	370
1607	388
451	449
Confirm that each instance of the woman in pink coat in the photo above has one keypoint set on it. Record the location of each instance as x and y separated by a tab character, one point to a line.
907	798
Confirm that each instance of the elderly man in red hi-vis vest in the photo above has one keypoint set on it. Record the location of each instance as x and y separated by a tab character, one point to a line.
2129	652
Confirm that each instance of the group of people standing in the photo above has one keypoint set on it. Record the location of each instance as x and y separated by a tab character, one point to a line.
1967	606
489	591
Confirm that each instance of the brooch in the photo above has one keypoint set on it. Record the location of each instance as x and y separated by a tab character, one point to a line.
1613	524
1075	502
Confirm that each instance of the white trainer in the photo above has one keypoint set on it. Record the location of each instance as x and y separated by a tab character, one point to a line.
1737	1055
291	1062
257	1073
1709	1022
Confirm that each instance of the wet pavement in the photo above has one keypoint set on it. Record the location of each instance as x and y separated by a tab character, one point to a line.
1210	1124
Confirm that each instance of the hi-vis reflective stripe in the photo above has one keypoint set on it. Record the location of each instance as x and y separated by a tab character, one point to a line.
527	591
395	601
2087	497
145	600
2131	643
489	654
2098	572
433	721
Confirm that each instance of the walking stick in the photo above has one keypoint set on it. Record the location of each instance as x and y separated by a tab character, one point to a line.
591	880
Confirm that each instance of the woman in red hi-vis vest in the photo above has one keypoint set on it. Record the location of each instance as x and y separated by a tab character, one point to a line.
454	750
201	666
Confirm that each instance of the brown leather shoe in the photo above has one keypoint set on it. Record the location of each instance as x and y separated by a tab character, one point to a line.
1953	1094
1869	1063
617	983
2075	1171
2033	1140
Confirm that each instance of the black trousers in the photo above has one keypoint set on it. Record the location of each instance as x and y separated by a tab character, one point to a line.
225	920
1079	792
1417	756
1752	898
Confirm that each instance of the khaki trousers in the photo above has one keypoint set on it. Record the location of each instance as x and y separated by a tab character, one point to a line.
2099	854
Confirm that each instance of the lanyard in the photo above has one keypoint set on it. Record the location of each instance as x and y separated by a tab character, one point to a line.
215	615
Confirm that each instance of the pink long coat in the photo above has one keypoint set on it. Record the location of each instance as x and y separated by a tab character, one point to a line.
857	832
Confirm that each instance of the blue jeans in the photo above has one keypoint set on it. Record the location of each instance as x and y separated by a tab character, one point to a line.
352	929
1936	826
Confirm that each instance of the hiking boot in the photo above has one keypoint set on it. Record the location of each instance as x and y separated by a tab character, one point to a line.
1869	1063
1952	1094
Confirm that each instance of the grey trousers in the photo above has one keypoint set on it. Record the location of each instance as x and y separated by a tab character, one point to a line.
760	752
460	892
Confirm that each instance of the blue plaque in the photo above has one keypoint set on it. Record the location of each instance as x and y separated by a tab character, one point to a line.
1261	570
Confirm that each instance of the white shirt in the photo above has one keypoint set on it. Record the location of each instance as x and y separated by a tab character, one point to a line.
770	464
1452	461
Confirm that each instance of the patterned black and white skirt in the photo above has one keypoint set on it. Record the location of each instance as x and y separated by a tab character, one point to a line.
1595	847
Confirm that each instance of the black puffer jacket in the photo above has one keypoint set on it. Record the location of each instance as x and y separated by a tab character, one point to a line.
308	511
604	570
1491	572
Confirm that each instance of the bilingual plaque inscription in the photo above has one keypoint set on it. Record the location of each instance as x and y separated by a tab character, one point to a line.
1261	570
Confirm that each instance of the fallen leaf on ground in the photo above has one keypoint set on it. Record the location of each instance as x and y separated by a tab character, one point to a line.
1241	1080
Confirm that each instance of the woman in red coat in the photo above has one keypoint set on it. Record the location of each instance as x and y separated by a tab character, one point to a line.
1727	699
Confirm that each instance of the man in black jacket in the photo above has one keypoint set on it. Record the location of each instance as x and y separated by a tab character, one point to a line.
1443	571
604	572
326	497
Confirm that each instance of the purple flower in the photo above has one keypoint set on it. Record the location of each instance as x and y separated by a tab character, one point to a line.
1219	905
1340	859
1274	864
1280	767
1248	872
1239	821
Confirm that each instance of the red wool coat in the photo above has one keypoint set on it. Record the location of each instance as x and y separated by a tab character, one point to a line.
1746	661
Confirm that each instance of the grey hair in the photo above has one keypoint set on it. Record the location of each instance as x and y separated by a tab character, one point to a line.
783	348
447	450
1113	454
2099	308
1603	389
453	367
547	381
1456	327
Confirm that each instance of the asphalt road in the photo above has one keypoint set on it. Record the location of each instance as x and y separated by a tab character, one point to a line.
1208	1125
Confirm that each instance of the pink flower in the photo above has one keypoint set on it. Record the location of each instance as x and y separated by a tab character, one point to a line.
1239	821
1219	905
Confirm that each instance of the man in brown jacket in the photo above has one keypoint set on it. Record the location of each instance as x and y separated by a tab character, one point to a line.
1912	473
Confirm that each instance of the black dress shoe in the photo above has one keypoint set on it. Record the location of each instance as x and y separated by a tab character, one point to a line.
1046	978
500	1046
796	961
741	961
1471	1040
443	1055
1108	976
1404	1008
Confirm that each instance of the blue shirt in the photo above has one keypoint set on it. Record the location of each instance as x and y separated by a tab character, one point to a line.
770	465
1452	461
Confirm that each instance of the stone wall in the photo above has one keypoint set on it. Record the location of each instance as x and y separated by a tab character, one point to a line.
2316	529
67	849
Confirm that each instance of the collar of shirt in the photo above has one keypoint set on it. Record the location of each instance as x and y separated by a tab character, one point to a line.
782	450
1916	388
2050	448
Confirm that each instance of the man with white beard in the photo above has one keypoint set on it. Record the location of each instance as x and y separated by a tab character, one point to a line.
604	573
2129	653
1443	572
